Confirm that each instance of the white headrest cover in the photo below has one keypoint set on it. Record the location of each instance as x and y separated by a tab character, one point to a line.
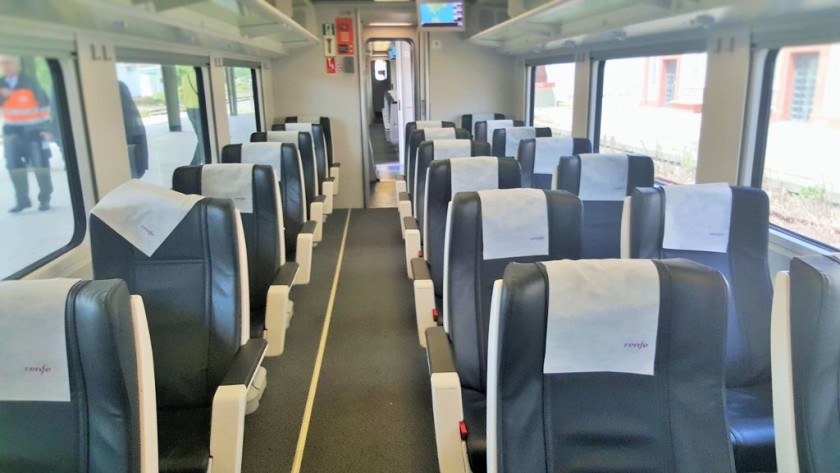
514	135
230	181
308	119
305	127
547	152
446	149
697	217
269	153
493	125
144	214
285	136
514	223
603	315
481	117
422	125
475	174
603	177
439	134
33	347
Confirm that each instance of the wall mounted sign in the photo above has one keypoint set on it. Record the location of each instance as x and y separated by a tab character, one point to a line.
344	36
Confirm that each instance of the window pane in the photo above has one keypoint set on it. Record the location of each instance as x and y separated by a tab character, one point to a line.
554	93
802	167
241	103
37	215
164	119
653	106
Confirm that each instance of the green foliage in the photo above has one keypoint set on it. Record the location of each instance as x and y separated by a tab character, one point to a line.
815	192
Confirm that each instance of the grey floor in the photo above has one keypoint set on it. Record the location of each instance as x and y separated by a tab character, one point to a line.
372	410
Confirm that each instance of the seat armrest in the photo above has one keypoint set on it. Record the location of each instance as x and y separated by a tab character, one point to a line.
286	275
411	224
335	165
420	269
320	199
439	351
335	170
309	227
412	243
328	188
404	196
303	253
245	363
400	187
447	407
278	308
316	214
404	209
329	179
425	308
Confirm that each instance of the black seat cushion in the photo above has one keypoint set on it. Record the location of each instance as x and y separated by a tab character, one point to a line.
749	412
257	322
184	440
475	416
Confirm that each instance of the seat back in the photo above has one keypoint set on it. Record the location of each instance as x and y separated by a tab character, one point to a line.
439	149
428	134
486	231
446	178
78	383
602	181
469	120
306	151
608	366
194	284
319	145
806	357
484	129
727	229
283	158
254	192
411	127
539	157
505	141
326	127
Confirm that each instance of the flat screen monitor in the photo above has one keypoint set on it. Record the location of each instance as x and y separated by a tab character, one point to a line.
441	15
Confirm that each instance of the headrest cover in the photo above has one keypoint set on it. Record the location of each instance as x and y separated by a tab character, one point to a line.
547	152
514	223
422	125
308	119
474	174
230	181
268	153
33	343
603	177
285	136
446	149
481	117
514	135
439	134
697	217
493	125
305	127
144	214
603	315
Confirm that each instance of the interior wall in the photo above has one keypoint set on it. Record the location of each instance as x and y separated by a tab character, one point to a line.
465	78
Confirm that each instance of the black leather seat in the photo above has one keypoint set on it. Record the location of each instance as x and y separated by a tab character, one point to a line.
484	129
805	360
446	177
101	416
745	267
325	182
555	407
505	141
475	259
333	166
539	157
270	276
413	143
603	196
469	120
194	286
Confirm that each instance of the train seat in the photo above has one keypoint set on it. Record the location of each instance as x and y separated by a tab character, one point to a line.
469	120
484	129
411	127
298	232
486	231
255	194
559	400
188	262
805	357
725	228
326	126
505	140
603	181
426	153
445	178
326	184
89	404
303	141
539	157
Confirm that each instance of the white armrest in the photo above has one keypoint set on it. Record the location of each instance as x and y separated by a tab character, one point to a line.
424	306
316	213
404	208
784	414
625	229
412	249
334	172
448	413
400	187
303	257
328	191
146	386
276	308
227	428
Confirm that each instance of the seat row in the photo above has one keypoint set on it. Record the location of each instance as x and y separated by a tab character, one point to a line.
154	364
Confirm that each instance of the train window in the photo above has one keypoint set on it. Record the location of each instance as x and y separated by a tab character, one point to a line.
165	120
241	100
801	130
553	94
42	212
653	105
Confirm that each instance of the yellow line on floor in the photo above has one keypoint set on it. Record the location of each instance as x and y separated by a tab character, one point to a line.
319	359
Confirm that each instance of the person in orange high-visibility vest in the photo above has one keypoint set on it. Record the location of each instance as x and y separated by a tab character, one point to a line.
27	120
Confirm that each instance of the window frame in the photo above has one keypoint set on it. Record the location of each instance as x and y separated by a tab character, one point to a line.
255	85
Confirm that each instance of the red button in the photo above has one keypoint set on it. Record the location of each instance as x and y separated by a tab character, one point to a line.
462	427
420	254
435	315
